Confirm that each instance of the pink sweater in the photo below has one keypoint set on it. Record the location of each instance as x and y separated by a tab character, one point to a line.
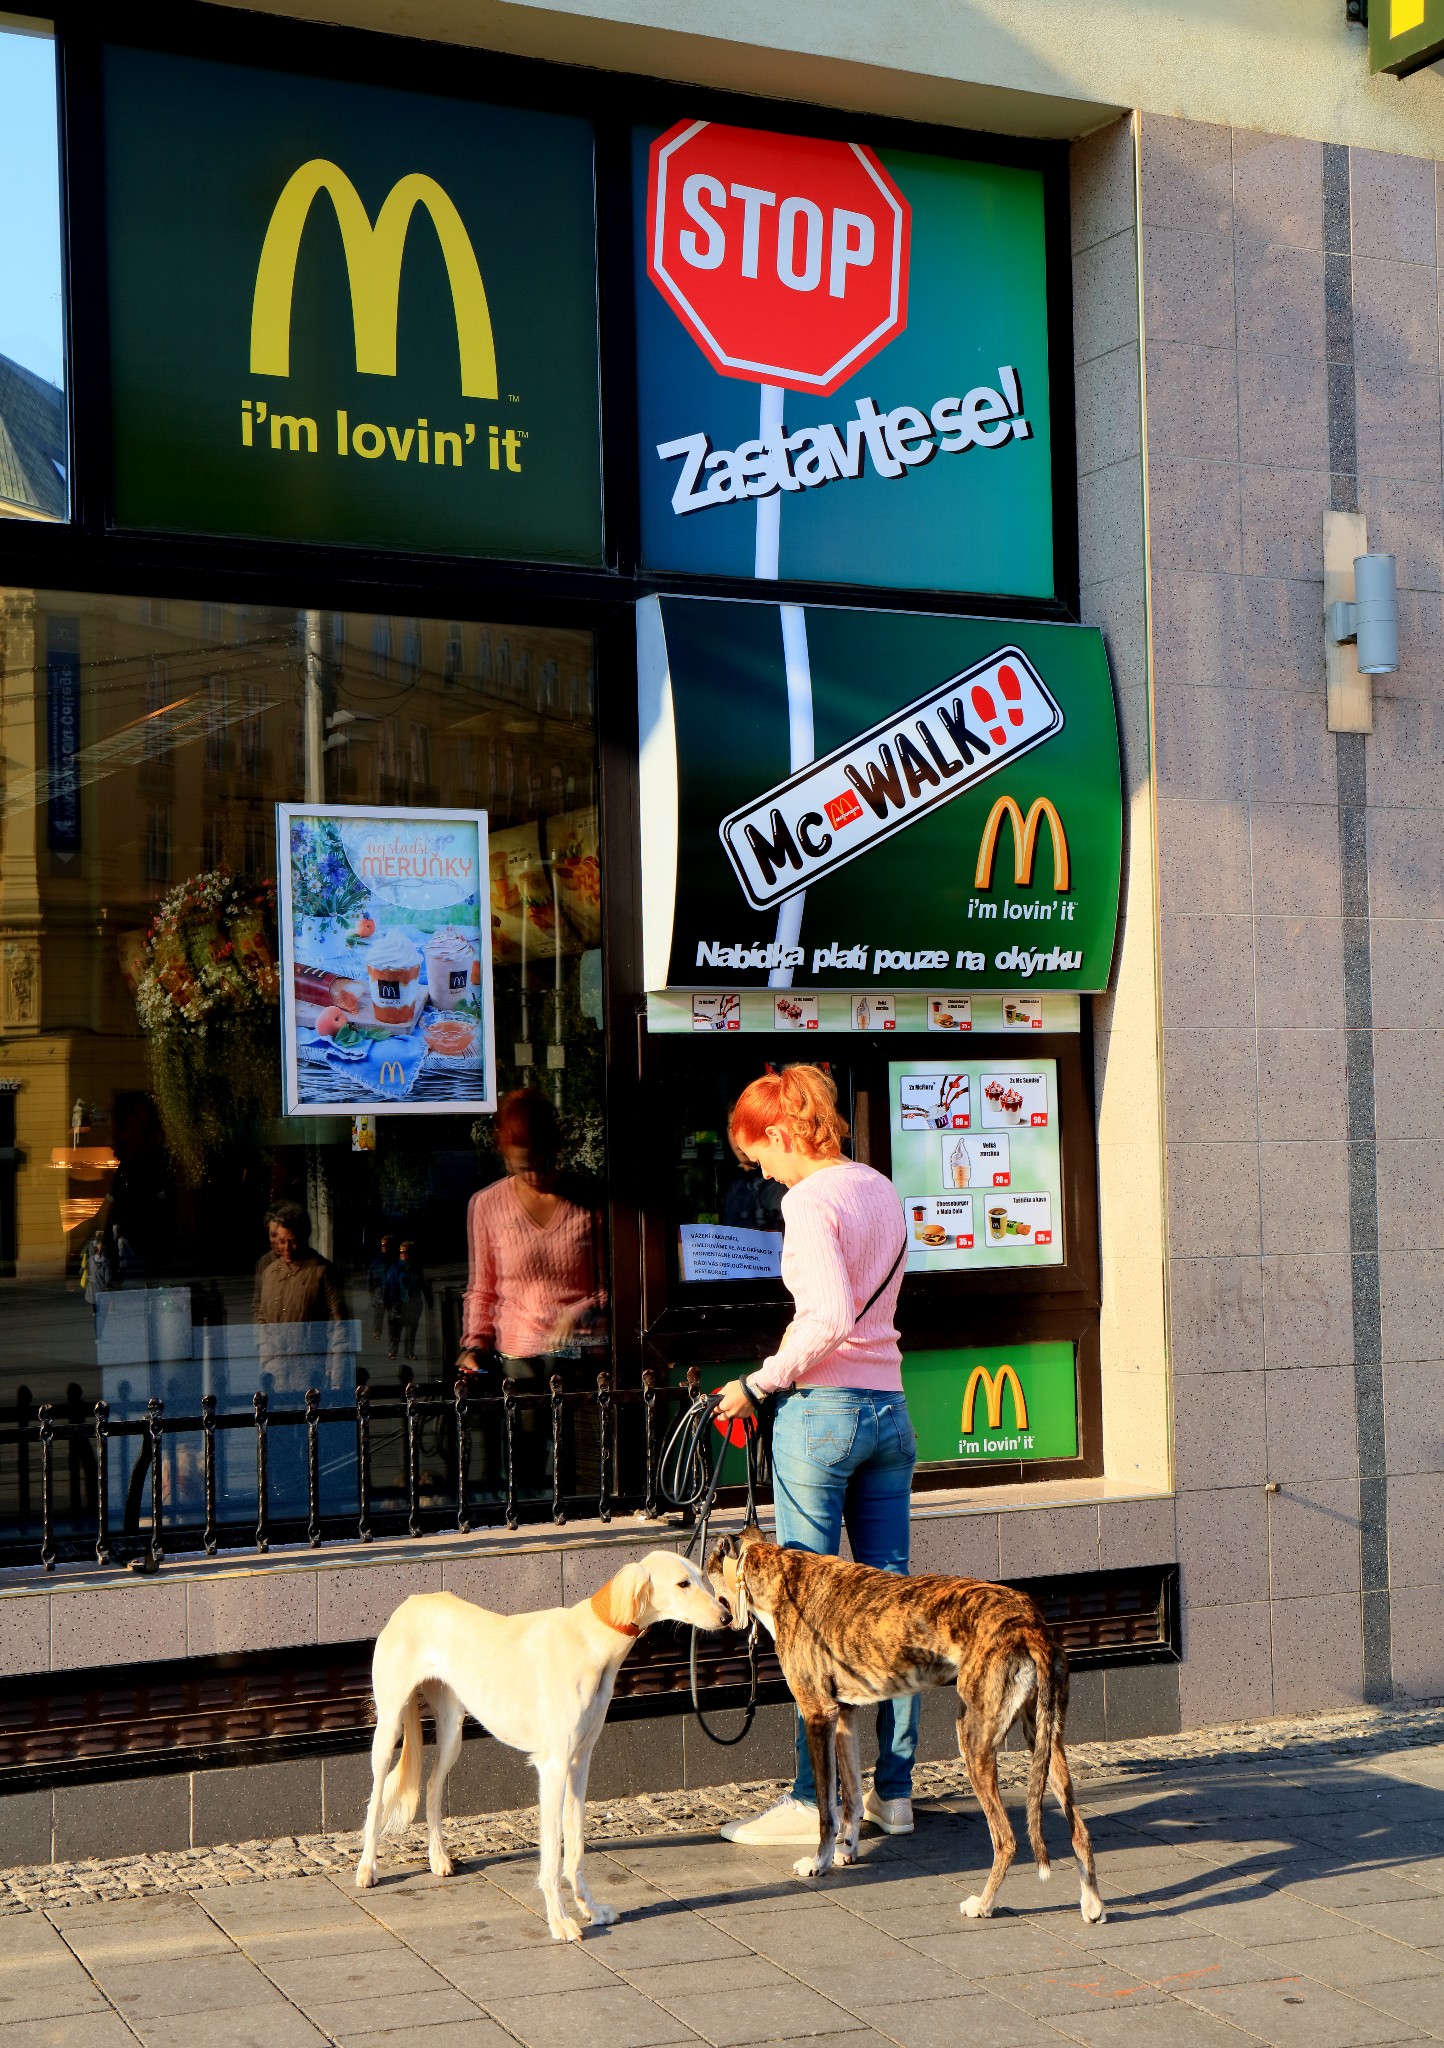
525	1278
845	1226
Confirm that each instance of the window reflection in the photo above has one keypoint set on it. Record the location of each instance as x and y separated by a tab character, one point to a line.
145	1170
34	453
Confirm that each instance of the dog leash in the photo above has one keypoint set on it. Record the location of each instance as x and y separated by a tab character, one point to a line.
687	1481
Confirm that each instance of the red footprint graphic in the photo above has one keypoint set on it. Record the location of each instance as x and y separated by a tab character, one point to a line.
988	711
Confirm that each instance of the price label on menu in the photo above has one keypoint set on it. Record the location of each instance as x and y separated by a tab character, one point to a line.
975	1162
874	1013
717	1013
950	1013
1014	1102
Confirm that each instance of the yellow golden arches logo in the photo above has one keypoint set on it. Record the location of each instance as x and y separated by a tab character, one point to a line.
993	1385
1025	842
373	266
391	1073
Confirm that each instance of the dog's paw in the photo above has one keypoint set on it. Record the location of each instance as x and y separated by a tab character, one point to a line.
847	1852
563	1927
365	1876
1091	1907
1045	1871
974	1909
812	1866
599	1914
441	1864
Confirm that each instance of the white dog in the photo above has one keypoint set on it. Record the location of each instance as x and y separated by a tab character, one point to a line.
539	1682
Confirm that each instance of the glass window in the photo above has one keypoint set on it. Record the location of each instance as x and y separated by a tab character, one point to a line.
141	1140
34	441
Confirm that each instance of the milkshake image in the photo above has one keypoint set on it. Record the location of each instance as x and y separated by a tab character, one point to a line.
393	968
958	1165
449	961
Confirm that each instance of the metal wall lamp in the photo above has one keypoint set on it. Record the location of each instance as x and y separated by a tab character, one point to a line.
1361	621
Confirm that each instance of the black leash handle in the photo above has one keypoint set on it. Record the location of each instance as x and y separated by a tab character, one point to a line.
687	1483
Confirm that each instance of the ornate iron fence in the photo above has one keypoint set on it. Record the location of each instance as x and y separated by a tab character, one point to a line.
411	1464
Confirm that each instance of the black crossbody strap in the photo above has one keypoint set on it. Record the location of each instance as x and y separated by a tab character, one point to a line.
885	1282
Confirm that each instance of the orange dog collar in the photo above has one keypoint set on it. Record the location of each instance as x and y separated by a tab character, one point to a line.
601	1606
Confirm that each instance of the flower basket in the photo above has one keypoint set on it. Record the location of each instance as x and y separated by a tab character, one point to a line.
206	998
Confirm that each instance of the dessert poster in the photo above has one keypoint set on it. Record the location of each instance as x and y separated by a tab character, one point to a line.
385	960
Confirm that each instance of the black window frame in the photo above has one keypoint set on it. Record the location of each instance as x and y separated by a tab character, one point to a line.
89	553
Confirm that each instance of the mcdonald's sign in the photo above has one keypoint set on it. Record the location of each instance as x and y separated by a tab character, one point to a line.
373	267
325	326
391	1076
1025	842
994	1384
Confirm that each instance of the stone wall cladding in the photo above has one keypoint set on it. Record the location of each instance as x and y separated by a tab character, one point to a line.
1292	361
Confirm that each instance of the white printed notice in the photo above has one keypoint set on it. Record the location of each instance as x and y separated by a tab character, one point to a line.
950	1013
936	1102
1017	1220
941	1226
974	1162
795	1013
717	1013
1015	1102
716	1251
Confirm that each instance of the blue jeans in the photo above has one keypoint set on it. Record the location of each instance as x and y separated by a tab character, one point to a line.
842	1455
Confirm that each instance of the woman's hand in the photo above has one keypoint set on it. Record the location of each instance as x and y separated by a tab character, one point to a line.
734	1400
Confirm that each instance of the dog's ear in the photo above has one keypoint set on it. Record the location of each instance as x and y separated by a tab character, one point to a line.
631	1590
750	1535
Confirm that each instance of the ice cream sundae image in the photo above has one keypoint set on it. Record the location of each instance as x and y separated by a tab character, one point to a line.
393	968
450	957
1011	1103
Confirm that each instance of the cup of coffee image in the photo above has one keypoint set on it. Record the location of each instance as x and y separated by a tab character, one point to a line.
1010	1013
449	959
997	1224
393	970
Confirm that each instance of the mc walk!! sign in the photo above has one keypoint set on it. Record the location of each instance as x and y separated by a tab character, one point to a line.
842	359
835	798
340	313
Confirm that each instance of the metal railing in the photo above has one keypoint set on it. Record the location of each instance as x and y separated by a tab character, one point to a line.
412	1464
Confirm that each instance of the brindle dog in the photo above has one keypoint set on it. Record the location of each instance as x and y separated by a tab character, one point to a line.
848	1636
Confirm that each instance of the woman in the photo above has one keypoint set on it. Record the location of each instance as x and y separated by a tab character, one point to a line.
534	1293
843	1448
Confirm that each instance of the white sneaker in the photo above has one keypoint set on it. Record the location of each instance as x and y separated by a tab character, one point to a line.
790	1820
893	1816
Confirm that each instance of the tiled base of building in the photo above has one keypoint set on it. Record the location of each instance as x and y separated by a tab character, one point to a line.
327	1794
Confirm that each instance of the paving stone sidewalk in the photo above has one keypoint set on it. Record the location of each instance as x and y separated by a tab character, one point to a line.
1282	1884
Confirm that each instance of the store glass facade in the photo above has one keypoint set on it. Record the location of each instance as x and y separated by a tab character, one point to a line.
34	444
147	744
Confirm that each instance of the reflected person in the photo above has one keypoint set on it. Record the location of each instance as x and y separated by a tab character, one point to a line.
535	1294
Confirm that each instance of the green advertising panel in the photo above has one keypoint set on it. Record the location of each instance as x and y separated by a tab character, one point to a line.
1405	35
1008	1402
863	798
340	313
993	1401
842	361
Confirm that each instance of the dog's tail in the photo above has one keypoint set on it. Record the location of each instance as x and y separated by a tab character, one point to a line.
1048	1718
401	1793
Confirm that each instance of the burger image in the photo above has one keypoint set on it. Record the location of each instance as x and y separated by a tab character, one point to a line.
935	1234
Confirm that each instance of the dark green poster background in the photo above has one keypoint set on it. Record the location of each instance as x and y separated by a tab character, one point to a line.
913	893
980	519
197	155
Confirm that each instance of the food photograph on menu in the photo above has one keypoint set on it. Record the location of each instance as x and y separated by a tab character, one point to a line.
385	924
976	1162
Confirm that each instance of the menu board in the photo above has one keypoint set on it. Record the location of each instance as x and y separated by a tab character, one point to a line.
975	1160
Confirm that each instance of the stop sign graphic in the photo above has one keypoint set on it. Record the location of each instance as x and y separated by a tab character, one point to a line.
785	257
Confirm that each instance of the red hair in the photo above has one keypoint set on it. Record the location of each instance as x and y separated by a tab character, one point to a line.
801	1100
527	1122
